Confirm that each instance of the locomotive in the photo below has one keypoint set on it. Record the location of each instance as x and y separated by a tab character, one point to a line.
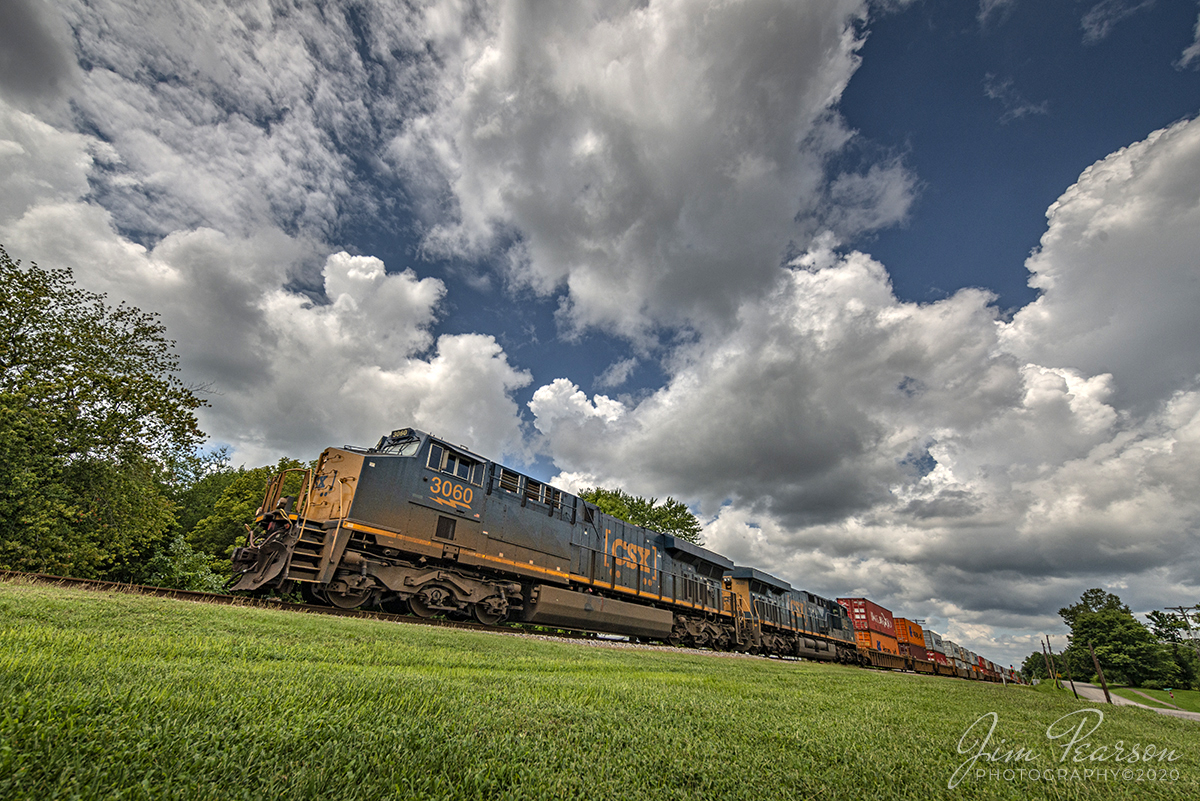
418	524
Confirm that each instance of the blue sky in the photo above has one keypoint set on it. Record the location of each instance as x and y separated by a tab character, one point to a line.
999	117
898	296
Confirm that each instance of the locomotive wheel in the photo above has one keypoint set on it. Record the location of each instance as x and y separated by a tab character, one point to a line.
419	608
350	600
312	593
485	617
490	610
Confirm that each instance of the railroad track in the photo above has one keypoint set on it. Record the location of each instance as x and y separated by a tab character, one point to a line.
288	606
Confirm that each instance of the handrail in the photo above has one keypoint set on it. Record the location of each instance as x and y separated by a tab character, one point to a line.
275	487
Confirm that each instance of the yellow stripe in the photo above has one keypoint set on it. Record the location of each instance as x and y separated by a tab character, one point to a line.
620	588
521	565
386	533
535	568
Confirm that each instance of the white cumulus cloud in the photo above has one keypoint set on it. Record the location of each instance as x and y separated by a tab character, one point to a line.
937	456
282	370
655	161
1117	268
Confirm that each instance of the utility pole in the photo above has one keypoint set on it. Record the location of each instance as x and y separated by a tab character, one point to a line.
1046	659
1067	665
1099	673
1185	612
1053	666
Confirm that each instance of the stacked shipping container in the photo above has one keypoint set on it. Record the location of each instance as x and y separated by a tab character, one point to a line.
935	651
956	655
910	637
877	629
874	627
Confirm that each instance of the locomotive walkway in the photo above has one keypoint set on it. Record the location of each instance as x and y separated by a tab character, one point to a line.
1093	693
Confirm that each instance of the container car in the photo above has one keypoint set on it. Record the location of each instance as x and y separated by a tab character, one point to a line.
909	633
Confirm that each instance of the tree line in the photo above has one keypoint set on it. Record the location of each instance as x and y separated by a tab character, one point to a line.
1155	656
101	470
102	473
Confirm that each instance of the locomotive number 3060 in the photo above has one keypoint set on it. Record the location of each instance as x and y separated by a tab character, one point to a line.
447	489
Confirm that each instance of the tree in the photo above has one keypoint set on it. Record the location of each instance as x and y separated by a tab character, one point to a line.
93	423
669	517
1034	666
1167	626
101	376
1176	633
198	486
1187	665
1127	651
1091	602
37	511
225	526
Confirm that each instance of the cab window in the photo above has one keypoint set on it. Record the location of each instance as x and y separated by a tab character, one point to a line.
459	466
445	460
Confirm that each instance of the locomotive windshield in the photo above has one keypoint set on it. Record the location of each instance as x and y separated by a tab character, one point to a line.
404	442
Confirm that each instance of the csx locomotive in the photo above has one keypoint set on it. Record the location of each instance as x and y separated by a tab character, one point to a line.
419	524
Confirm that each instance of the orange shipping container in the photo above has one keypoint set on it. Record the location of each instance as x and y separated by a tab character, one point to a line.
874	641
909	632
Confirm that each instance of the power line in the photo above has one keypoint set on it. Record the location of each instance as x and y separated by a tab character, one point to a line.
1185	612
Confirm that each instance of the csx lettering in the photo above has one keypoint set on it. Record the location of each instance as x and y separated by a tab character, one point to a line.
448	489
635	554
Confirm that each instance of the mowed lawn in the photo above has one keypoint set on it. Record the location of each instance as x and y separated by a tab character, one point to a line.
117	696
1187	700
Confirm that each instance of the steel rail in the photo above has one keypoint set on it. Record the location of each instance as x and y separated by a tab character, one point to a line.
316	609
288	606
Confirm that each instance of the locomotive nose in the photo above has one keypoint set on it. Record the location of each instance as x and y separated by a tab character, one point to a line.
257	565
260	565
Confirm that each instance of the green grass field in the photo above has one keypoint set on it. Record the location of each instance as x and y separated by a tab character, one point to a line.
117	696
1184	699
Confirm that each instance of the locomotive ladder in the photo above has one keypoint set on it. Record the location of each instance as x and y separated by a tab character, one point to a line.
311	558
310	552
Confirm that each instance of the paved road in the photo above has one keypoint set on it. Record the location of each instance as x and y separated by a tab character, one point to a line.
1093	693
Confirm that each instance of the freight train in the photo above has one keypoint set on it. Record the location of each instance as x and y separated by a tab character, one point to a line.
419	525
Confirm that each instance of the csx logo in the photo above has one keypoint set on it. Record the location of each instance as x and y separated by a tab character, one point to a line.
634	555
